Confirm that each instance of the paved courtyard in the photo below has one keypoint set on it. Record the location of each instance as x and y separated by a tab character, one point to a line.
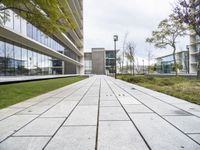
101	113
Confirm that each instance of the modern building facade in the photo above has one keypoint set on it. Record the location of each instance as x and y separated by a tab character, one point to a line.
165	63
99	61
194	46
88	62
110	62
26	50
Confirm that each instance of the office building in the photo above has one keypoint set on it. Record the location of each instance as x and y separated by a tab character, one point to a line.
99	61
165	63
26	50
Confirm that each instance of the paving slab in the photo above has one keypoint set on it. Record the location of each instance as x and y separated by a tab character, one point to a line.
13	123
137	109
157	105
62	109
4	113
189	107
41	127
119	135
161	135
108	98
24	143
41	107
112	113
196	137
23	104
83	115
74	138
128	100
109	103
72	98
188	124
89	100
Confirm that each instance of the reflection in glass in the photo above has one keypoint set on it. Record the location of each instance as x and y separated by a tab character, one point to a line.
2	58
18	60
17	23
25	60
10	62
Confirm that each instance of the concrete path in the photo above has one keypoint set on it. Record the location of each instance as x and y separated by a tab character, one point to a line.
101	113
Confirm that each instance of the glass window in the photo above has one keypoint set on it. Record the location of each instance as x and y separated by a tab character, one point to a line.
10	62
9	22
17	23
23	26
2	58
29	30
18	60
30	61
35	62
39	63
34	33
25	61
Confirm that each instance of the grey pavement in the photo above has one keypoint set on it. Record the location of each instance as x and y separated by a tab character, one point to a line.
101	113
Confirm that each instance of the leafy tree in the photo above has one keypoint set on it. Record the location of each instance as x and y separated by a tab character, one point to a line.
48	15
130	54
169	30
185	12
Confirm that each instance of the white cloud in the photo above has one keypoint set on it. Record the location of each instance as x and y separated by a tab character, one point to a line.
104	18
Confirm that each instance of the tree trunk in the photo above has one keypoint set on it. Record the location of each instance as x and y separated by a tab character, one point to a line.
133	69
174	57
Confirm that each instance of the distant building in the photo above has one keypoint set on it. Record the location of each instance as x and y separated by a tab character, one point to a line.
165	63
99	61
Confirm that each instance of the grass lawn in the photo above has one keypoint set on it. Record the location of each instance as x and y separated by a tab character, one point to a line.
14	93
181	87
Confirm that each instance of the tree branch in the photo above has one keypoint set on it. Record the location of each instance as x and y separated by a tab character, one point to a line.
15	8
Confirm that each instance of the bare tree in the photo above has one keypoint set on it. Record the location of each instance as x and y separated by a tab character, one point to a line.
124	50
130	54
119	61
150	56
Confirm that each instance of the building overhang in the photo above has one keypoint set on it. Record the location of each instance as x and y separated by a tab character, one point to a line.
28	42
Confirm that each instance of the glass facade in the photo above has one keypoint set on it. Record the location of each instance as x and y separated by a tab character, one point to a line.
110	61
18	60
165	64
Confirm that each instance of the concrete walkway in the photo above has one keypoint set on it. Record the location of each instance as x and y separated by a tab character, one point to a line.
101	113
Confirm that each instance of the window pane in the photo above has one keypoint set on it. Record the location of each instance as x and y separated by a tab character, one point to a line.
18	60
10	62
25	61
23	26
2	58
17	27
29	30
9	22
30	61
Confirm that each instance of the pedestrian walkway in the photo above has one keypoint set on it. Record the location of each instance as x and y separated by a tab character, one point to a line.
101	113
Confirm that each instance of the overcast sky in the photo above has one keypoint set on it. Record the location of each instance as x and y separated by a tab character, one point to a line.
104	18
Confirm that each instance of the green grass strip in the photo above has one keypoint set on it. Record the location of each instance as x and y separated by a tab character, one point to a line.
17	92
180	87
